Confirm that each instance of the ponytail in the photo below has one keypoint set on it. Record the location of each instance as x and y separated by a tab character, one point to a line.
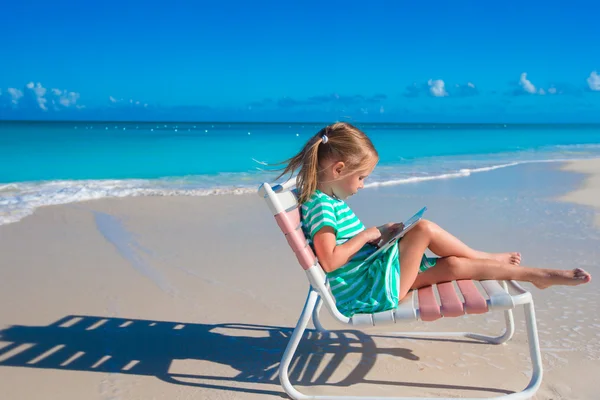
307	162
339	141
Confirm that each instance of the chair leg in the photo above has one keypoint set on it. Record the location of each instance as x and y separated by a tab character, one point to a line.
284	377
534	351
315	316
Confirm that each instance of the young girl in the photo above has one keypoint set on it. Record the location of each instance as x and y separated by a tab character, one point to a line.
333	166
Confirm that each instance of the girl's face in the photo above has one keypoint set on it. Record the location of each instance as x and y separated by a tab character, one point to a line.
349	184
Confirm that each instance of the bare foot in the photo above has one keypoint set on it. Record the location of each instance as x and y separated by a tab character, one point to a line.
509	258
552	277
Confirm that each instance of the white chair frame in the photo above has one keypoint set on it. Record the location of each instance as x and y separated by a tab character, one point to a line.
282	202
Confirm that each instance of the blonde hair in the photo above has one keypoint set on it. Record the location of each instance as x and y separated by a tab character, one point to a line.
344	143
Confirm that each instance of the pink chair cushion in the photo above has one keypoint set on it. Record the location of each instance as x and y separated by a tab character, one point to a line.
451	304
289	223
429	309
474	302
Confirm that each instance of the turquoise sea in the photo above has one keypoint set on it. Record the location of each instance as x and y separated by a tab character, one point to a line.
43	163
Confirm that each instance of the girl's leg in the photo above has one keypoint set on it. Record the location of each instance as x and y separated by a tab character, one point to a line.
452	267
456	268
445	244
411	247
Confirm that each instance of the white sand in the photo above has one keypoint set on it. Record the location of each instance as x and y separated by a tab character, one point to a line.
589	193
212	292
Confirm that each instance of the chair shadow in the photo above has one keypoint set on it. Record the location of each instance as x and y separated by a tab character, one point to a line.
145	347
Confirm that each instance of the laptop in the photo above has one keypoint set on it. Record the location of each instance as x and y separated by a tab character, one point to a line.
408	225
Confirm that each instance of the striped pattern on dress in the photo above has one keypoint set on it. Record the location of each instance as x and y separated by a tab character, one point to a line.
357	287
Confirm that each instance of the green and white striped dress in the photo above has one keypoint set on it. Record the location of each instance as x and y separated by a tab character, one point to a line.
367	288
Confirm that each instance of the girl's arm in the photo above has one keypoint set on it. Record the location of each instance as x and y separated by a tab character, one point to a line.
330	256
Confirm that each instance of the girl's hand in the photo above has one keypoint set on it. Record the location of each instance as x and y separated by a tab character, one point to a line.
388	231
372	235
395	228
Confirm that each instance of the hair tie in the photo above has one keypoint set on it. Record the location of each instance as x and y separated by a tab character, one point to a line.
324	138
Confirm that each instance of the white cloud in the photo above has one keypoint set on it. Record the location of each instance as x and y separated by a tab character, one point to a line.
37	93
530	87
63	98
472	86
437	88
526	84
594	81
113	100
15	95
68	99
35	96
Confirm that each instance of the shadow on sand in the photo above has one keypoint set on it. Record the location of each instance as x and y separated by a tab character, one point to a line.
143	347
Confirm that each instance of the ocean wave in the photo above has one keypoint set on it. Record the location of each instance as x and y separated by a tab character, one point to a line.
461	173
18	200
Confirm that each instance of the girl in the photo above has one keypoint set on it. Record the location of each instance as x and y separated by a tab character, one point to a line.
331	167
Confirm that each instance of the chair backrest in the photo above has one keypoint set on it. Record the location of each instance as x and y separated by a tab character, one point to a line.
283	203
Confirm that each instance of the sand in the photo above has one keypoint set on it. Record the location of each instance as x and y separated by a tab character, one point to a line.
195	298
589	193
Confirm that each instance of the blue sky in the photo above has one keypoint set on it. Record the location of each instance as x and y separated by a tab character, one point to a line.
301	60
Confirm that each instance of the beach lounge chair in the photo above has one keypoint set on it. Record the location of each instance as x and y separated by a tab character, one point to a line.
419	304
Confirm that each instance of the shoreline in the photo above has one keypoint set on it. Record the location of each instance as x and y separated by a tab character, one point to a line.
42	193
589	192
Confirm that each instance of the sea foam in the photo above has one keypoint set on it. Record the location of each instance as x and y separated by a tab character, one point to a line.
18	200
